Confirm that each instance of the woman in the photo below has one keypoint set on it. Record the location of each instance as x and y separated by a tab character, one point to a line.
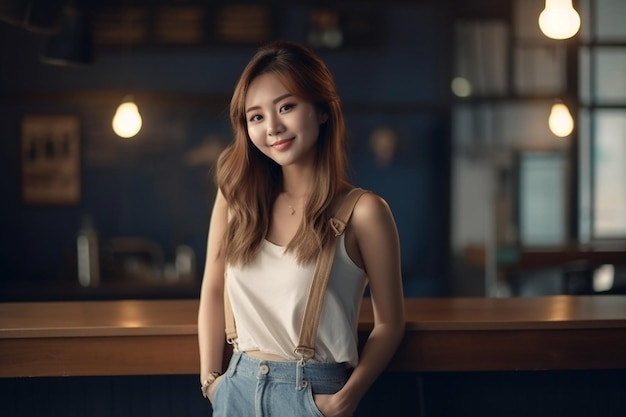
280	182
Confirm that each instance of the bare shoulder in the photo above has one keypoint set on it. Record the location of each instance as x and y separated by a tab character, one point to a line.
371	208
372	221
375	245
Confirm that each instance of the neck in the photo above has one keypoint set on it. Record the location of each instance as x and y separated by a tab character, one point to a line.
297	184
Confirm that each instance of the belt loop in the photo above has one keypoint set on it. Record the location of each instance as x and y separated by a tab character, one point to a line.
233	364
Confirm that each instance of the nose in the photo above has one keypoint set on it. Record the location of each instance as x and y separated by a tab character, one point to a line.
275	127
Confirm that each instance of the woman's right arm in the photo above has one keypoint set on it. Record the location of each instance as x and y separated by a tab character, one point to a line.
211	311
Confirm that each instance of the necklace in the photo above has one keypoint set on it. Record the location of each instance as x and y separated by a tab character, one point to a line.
292	209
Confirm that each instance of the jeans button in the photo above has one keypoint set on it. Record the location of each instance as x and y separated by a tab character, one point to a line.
264	369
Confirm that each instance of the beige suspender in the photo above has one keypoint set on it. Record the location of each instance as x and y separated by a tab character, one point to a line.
313	309
310	321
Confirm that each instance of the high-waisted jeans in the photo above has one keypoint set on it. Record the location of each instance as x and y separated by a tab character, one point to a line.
259	388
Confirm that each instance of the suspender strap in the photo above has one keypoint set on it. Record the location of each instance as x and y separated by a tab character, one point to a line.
313	309
312	312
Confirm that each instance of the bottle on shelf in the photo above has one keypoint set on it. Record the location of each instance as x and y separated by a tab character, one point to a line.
87	254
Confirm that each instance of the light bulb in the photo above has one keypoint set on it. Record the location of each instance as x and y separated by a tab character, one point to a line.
461	87
559	19
560	121
127	120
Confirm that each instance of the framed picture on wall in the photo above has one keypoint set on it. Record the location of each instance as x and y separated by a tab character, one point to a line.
50	159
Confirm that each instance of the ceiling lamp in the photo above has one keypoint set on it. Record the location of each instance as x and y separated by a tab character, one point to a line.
559	19
560	121
127	120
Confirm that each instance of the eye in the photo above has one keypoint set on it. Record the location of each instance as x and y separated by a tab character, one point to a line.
286	107
254	118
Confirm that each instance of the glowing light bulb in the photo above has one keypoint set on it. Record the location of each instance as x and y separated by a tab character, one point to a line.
461	87
127	120
559	19
560	121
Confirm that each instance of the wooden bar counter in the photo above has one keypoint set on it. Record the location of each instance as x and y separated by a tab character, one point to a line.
159	337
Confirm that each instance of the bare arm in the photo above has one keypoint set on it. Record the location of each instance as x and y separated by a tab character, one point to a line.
211	311
378	244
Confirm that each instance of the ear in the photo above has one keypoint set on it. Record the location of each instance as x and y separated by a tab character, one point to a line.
322	117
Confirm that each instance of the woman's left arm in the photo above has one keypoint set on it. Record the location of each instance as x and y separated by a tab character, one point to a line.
377	238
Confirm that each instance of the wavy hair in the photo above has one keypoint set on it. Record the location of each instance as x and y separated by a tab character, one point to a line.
250	181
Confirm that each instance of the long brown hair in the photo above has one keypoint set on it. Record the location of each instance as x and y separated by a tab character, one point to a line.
250	181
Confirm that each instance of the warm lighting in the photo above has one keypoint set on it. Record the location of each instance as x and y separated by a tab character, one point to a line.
127	120
603	278
559	19
560	121
461	87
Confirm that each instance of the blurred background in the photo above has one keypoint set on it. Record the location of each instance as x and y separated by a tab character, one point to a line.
447	105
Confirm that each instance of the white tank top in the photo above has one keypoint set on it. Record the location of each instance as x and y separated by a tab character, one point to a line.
269	294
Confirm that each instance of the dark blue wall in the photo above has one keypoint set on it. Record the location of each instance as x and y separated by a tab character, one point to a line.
144	187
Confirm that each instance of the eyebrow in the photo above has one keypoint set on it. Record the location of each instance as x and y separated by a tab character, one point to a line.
276	100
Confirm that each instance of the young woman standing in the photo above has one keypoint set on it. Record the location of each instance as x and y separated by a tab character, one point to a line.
280	182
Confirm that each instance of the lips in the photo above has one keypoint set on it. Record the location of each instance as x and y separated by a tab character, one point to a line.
282	144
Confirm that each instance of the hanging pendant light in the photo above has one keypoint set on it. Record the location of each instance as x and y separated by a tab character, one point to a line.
559	19
127	120
560	121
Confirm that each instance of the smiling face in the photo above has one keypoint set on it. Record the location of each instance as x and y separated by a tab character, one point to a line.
281	125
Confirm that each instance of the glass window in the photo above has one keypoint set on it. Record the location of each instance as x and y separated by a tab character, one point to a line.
584	177
610	75
604	83
602	133
602	20
610	17
481	55
504	125
609	156
542	189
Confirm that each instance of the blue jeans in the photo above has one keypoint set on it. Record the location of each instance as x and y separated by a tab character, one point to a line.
259	388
